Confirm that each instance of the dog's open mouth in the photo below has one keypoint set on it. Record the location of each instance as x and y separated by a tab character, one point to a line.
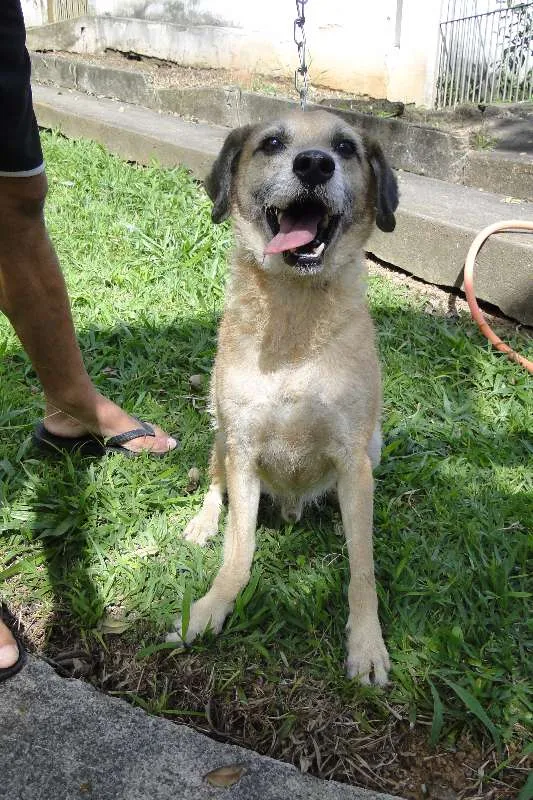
302	232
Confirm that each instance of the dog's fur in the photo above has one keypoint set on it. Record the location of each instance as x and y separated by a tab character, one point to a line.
296	385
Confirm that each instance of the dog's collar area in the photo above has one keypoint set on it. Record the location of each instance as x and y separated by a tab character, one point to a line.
302	233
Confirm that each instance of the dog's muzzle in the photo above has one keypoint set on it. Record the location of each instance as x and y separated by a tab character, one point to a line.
302	233
303	230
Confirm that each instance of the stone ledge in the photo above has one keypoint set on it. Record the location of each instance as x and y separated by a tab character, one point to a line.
437	221
409	147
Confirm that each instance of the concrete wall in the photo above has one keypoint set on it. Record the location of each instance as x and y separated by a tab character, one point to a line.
387	48
35	12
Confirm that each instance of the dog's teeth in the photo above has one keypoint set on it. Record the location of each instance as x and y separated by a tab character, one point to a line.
318	250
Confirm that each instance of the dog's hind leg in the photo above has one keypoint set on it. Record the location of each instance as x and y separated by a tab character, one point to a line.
239	545
367	654
205	524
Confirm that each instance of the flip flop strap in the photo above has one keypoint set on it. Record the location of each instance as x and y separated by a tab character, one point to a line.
127	436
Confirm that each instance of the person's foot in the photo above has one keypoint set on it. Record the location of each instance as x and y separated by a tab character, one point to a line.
104	418
9	652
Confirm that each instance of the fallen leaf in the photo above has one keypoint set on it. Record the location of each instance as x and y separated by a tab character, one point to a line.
148	550
112	625
196	382
225	776
194	479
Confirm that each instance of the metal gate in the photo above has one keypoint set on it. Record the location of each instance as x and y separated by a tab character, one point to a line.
59	10
486	57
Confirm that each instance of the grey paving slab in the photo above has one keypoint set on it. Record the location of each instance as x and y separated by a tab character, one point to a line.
62	740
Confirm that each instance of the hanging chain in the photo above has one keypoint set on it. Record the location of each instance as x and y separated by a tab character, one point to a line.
300	75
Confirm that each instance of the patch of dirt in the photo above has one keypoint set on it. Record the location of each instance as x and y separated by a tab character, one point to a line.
293	719
166	73
442	301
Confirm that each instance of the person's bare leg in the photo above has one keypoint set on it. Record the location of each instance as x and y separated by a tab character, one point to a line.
34	298
8	648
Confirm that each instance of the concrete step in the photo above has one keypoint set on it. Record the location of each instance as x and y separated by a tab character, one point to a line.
436	224
60	739
436	221
130	131
444	154
501	171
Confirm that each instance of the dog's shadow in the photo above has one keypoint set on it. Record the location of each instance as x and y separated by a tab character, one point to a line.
425	485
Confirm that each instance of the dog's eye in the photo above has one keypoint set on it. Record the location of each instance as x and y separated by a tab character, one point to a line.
272	144
346	148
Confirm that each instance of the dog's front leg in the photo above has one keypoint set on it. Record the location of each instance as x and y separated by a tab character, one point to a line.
243	488
366	651
205	524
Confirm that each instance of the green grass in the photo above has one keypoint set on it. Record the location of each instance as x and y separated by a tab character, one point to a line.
454	494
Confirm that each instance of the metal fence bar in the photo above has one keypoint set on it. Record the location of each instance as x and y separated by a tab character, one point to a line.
59	10
460	62
485	57
486	79
454	50
470	61
481	62
528	75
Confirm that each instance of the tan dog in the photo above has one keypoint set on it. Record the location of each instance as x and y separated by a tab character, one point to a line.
296	385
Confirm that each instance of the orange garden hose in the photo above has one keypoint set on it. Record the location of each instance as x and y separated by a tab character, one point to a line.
486	330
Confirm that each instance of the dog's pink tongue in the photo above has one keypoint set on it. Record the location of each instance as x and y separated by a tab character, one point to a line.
293	233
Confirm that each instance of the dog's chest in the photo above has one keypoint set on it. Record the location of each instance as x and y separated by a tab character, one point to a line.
288	419
274	402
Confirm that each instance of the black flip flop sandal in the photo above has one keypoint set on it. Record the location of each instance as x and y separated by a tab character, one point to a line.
91	445
8	672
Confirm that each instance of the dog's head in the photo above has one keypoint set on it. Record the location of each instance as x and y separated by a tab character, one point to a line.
295	186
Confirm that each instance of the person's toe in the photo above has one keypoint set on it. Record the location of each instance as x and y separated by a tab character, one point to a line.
8	647
160	443
9	655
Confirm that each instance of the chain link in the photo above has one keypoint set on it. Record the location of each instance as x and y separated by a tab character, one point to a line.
300	75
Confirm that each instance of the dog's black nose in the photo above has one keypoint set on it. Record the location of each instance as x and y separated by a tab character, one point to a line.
313	167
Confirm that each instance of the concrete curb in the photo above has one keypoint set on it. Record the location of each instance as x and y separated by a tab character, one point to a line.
410	147
436	221
504	173
62	740
436	224
135	134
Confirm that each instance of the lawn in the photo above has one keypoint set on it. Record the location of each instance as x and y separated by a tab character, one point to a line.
91	554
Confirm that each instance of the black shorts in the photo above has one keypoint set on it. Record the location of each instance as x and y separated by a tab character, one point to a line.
20	147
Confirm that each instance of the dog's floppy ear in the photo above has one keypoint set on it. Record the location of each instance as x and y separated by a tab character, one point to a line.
218	182
386	188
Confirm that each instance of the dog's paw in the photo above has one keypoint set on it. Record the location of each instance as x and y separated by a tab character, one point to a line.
205	615
368	659
202	527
